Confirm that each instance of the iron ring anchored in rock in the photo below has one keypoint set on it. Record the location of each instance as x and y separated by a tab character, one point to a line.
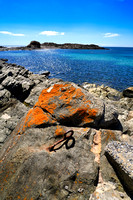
67	137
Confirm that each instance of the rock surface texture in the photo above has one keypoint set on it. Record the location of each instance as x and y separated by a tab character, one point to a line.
62	141
120	154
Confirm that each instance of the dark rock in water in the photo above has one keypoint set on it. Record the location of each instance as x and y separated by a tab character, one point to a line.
46	73
3	59
34	45
120	154
128	92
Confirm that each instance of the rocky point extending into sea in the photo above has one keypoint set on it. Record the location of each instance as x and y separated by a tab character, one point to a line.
50	45
62	141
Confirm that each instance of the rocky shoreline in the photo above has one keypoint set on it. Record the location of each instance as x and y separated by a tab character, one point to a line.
35	112
50	45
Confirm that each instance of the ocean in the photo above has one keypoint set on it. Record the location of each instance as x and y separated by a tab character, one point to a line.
113	67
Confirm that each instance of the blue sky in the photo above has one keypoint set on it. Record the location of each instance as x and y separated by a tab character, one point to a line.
102	22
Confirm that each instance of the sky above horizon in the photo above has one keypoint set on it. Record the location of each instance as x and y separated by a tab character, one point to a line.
101	22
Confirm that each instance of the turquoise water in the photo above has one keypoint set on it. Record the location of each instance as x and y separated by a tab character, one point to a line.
112	67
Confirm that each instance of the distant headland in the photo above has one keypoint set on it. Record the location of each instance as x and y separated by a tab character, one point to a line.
51	45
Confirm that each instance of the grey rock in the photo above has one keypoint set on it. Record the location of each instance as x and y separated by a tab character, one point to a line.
102	91
41	83
120	154
9	118
2	136
5	96
43	174
46	73
16	80
107	191
19	87
110	119
126	103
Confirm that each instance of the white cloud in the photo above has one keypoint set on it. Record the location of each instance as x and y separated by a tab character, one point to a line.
10	33
51	33
111	34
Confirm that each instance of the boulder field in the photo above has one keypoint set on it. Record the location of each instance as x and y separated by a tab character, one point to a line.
60	141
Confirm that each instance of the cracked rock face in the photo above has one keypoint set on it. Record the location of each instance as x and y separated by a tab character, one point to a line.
120	154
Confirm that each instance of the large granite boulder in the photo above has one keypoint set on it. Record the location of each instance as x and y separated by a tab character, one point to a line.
67	104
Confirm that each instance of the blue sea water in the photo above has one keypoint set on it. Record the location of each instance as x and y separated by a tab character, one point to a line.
113	67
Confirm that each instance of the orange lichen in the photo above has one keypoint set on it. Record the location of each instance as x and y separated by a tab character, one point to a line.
36	117
110	135
80	182
59	131
65	95
63	102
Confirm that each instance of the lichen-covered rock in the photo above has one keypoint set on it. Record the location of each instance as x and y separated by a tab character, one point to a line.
68	104
29	171
120	155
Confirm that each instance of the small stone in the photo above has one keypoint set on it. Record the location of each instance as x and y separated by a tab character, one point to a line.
5	116
66	187
80	190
